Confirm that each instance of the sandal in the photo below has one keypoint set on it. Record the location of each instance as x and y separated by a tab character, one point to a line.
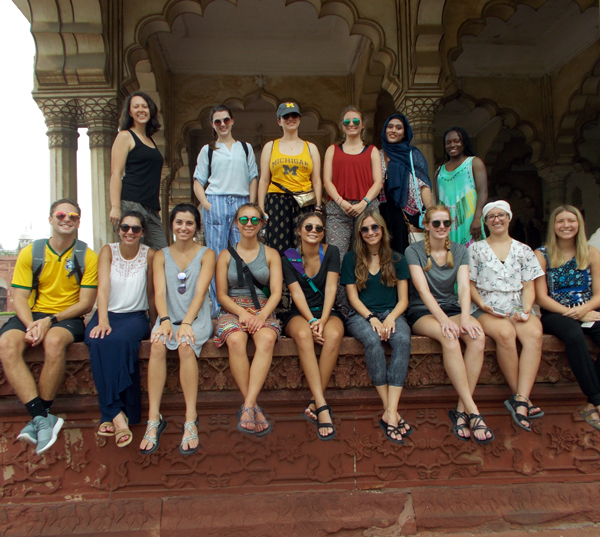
512	405
328	437
250	411
106	424
408	430
264	422
308	409
121	433
390	430
160	427
585	414
454	416
532	410
187	439
480	425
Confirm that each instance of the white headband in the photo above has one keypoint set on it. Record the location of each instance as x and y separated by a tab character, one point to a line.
500	204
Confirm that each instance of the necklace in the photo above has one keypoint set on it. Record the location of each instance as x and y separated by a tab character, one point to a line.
291	146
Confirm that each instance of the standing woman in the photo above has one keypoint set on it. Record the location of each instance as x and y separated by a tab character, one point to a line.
295	165
569	296
229	168
376	280
182	274
404	199
502	273
462	186
136	166
436	310
311	274
352	177
247	309
117	328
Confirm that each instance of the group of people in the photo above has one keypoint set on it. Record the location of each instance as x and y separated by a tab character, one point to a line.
349	263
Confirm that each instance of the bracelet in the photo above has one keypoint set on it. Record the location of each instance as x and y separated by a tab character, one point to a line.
314	319
337	201
370	316
163	319
367	200
189	324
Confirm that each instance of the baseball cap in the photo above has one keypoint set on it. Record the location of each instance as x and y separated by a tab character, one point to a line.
287	108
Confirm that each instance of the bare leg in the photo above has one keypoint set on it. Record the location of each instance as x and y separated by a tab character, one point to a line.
188	377
55	344
504	334
529	334
157	376
264	341
238	360
12	346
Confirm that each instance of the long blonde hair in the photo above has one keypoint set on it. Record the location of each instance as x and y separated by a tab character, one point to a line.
555	254
386	261
427	219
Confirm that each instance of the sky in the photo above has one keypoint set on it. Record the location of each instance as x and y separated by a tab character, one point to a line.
25	183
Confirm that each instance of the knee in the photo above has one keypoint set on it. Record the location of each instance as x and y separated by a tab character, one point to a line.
9	349
506	336
335	333
54	347
303	337
266	341
236	345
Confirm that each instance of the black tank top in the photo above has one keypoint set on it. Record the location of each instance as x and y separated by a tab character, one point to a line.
143	167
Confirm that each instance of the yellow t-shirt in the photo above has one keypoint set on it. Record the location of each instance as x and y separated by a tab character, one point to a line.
291	172
56	290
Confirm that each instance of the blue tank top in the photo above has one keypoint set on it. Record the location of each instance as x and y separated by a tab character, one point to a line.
568	285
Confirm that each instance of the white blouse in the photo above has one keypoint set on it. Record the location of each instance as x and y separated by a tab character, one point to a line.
500	284
128	281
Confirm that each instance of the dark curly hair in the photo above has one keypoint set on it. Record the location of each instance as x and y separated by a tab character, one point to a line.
126	121
464	138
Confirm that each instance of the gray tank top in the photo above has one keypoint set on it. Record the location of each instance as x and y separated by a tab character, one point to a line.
258	267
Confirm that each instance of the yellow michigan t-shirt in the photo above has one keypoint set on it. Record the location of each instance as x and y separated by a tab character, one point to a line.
56	290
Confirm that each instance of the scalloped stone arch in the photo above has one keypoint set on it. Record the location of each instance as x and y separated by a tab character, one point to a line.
428	36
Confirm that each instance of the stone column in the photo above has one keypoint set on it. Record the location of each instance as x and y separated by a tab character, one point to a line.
555	187
61	118
420	111
101	117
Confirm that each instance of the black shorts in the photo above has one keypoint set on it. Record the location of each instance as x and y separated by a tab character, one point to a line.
414	314
76	326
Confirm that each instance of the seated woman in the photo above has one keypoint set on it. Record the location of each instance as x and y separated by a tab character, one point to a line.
116	330
249	288
569	297
503	292
311	274
437	311
182	274
376	280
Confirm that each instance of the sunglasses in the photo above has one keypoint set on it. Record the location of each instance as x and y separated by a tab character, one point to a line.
374	228
225	121
61	215
355	122
318	228
438	223
182	288
293	115
126	227
499	216
254	220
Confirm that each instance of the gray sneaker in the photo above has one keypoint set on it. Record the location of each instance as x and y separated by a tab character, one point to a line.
28	434
47	431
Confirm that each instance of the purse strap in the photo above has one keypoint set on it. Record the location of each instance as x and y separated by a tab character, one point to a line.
417	193
286	190
295	260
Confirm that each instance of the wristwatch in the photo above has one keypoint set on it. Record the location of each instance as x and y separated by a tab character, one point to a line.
53	319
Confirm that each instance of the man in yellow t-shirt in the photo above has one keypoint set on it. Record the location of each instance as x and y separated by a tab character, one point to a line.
51	316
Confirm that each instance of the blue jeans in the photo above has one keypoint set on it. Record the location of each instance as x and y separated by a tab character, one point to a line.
379	371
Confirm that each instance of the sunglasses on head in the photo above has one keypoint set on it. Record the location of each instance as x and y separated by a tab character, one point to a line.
254	220
438	223
374	228
182	288
225	121
310	227
354	121
61	215
293	115
126	227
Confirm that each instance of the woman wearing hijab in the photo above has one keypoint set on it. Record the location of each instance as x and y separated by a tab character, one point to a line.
404	189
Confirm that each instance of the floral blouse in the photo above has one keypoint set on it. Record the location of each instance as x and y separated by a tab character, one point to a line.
500	284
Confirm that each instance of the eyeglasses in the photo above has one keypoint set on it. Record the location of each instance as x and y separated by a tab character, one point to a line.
182	276
355	121
499	216
61	215
292	115
438	223
374	228
126	227
318	228
226	121
254	220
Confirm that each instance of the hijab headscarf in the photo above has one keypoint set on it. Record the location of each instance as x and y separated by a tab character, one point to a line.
398	170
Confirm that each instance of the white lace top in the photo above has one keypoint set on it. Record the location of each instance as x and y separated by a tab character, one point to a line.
128	281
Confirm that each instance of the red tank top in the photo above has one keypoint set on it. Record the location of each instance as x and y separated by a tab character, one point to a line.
352	175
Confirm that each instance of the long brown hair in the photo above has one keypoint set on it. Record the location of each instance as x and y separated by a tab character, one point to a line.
427	219
386	259
218	108
555	254
303	218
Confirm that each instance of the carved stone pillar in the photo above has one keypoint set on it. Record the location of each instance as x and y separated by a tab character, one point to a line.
61	118
555	187
101	118
420	112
